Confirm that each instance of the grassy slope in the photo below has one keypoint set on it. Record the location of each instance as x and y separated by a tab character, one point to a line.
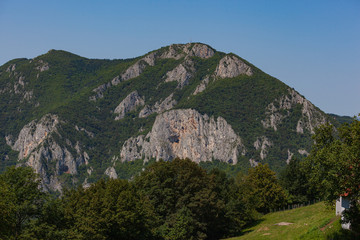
312	222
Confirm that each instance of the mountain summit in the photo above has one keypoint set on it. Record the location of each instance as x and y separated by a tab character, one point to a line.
75	119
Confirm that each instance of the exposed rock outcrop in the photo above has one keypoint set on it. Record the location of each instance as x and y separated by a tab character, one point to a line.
202	86
177	51
253	163
159	107
41	152
231	66
303	152
136	69
11	68
110	171
130	103
42	66
311	116
290	155
262	143
33	134
100	91
186	134
180	75
199	50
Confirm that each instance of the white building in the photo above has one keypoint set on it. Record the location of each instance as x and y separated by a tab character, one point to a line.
341	204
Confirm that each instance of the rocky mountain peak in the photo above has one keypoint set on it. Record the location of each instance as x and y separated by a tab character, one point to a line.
231	66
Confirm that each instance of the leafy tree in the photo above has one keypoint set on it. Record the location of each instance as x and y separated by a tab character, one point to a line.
107	210
295	179
335	165
264	189
21	200
190	203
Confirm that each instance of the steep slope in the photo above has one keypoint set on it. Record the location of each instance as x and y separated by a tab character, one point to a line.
75	119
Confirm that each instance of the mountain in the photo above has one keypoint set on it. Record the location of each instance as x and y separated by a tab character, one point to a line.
75	120
341	119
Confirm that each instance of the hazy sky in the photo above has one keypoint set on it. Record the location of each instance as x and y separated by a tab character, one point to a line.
313	46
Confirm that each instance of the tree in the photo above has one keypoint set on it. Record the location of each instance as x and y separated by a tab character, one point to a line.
21	200
295	179
107	210
335	165
264	189
191	203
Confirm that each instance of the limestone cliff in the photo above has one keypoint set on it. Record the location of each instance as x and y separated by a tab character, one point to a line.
186	133
231	66
38	149
311	116
176	51
159	107
130	103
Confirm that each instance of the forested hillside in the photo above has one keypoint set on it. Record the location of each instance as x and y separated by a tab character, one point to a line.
77	120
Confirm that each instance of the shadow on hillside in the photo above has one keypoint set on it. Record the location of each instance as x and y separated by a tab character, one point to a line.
343	235
248	226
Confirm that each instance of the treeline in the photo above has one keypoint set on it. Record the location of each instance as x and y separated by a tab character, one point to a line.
168	200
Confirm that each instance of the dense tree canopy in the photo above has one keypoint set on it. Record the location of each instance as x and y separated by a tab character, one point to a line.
21	200
169	200
295	179
263	188
191	203
334	164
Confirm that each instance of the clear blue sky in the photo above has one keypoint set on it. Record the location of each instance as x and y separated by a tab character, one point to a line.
313	46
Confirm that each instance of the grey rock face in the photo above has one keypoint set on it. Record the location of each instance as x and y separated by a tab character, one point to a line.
159	107
262	143
100	91
42	66
253	163
303	152
110	171
311	117
290	155
199	50
130	103
202	86
11	68
186	134
132	72
45	155
136	69
115	81
175	52
33	134
231	66
180	75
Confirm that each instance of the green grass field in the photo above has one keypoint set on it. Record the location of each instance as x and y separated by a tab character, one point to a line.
317	221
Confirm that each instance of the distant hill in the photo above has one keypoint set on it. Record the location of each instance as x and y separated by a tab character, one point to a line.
341	119
76	120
